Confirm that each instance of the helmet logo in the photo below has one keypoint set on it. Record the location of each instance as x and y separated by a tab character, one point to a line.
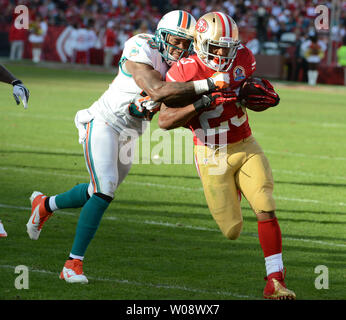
225	39
134	51
202	25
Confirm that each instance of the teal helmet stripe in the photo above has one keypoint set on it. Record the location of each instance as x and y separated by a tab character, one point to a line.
180	18
186	24
188	21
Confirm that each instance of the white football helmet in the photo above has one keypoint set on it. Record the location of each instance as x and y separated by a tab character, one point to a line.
220	30
177	23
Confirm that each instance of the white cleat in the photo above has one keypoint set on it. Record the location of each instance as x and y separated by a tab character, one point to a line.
39	215
72	272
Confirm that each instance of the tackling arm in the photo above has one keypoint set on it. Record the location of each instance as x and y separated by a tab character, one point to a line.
173	94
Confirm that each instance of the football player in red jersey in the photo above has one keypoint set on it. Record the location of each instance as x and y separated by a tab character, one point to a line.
228	158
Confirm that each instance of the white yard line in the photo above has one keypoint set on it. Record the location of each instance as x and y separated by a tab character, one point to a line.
178	226
146	284
329	203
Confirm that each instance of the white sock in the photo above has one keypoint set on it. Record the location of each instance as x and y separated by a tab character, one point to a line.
274	263
73	256
52	204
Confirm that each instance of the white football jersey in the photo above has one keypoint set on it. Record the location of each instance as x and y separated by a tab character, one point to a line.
117	106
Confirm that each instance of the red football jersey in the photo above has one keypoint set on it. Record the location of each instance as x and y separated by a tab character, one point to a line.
227	123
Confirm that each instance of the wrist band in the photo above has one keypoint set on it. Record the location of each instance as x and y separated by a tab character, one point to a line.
201	86
15	82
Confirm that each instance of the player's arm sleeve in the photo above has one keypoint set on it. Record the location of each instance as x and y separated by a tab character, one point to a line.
251	63
137	50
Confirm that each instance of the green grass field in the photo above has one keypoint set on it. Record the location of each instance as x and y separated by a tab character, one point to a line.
158	240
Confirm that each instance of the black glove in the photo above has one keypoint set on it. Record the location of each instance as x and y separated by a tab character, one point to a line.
212	100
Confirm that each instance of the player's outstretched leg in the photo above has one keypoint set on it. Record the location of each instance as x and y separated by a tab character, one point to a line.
42	207
39	215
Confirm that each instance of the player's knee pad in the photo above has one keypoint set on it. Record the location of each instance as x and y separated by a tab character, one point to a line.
263	201
104	197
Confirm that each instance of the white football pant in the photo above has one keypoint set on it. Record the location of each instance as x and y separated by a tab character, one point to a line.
108	157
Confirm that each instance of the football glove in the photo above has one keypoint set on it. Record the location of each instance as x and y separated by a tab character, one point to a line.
147	107
212	100
147	103
219	81
269	98
81	119
20	91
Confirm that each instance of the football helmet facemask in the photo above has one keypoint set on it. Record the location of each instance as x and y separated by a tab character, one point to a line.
175	23
219	30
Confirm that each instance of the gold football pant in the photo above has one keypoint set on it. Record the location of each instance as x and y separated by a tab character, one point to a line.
225	170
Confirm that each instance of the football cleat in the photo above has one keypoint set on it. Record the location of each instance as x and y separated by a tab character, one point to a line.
276	289
39	215
73	272
3	233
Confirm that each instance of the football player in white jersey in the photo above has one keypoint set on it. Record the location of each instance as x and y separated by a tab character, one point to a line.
122	112
19	92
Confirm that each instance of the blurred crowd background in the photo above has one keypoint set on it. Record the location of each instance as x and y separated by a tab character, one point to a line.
94	31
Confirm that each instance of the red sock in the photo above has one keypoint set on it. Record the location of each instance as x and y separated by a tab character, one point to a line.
269	234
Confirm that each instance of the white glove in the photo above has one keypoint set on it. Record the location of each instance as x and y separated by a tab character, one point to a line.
147	103
20	91
81	119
